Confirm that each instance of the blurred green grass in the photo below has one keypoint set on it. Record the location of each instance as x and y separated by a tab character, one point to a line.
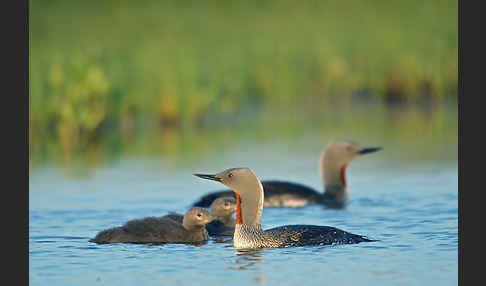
173	65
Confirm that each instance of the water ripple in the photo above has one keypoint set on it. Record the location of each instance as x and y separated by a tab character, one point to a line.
417	233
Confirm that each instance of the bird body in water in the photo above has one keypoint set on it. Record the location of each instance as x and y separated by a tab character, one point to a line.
159	230
249	207
221	210
332	167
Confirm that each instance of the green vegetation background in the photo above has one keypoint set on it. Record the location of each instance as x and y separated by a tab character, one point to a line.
105	71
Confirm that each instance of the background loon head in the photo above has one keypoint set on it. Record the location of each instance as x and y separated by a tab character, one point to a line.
223	207
336	156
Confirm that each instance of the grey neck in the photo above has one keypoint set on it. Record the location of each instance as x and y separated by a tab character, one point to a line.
337	193
333	174
252	205
250	233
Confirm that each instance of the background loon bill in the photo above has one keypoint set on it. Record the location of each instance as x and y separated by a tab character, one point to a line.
369	150
208	177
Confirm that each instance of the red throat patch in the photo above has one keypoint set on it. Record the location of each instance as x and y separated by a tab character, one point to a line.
239	218
343	174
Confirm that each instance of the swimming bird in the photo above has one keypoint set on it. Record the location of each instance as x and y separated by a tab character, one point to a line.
160	229
249	233
332	167
222	210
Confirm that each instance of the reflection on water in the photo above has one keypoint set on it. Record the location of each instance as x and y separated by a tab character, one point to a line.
248	257
406	126
412	211
248	260
224	239
405	196
197	243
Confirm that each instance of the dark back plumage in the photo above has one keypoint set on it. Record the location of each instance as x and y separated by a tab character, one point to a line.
302	235
175	217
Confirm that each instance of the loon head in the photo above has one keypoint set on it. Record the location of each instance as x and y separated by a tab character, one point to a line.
341	152
336	156
223	207
196	218
248	190
240	180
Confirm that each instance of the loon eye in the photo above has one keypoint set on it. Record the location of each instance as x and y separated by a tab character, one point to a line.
230	175
349	148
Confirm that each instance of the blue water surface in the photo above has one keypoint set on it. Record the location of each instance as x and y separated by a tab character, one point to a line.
409	206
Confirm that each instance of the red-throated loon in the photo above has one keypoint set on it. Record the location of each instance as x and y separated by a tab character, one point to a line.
249	207
332	167
160	229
